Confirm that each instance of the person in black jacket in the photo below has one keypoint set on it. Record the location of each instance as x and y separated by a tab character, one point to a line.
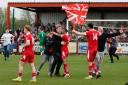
57	52
101	46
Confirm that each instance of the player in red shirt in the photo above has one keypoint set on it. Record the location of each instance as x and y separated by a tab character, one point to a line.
92	36
64	51
28	55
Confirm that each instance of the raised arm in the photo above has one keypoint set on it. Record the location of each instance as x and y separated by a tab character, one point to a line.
79	33
114	34
57	34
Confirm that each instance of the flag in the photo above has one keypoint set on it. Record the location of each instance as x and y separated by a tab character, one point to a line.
76	13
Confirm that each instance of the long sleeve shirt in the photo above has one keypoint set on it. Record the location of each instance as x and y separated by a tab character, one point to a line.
103	38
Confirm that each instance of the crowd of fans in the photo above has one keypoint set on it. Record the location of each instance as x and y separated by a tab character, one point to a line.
51	27
121	38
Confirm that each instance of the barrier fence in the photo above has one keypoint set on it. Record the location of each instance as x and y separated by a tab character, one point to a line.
82	47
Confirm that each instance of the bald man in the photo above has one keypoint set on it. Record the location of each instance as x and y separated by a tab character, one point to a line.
101	45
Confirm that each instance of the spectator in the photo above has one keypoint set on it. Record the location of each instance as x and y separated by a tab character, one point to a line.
6	38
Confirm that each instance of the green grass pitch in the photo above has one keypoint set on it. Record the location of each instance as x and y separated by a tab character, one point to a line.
112	74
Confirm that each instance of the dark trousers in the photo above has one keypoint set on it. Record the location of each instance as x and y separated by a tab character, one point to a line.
6	51
112	51
56	63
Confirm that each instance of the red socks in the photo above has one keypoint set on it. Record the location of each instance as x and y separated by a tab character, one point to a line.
94	67
66	69
90	70
33	74
19	74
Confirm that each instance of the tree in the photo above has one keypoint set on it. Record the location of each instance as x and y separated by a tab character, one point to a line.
2	19
26	18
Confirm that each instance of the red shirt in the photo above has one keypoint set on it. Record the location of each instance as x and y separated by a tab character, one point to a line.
92	36
65	38
31	39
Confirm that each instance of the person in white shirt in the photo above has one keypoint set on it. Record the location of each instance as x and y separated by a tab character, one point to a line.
6	42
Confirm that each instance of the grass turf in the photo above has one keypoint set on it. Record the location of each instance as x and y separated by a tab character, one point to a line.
112	74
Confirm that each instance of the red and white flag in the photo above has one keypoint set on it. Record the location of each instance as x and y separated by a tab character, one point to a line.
76	13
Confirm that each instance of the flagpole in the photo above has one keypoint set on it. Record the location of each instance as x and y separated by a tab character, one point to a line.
67	25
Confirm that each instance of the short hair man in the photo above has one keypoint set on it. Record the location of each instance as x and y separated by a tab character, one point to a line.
92	36
28	55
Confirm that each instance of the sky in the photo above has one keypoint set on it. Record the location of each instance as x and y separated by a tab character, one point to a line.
18	12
